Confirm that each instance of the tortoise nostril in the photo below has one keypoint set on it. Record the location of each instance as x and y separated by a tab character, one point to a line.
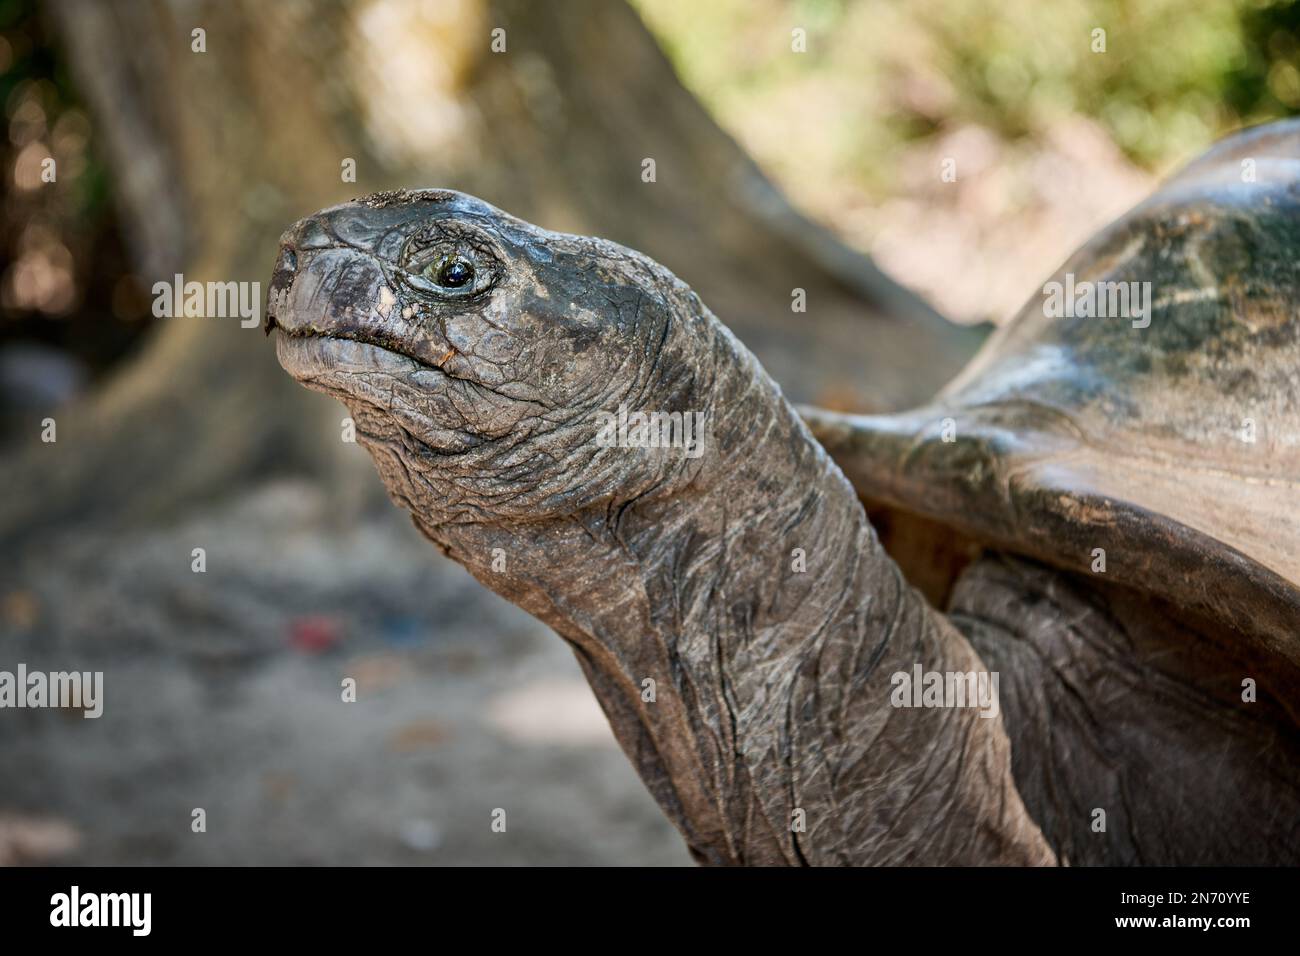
288	259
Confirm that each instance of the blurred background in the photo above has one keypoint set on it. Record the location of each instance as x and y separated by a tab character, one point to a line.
796	145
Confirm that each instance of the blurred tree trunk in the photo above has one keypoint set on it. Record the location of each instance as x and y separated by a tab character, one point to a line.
215	152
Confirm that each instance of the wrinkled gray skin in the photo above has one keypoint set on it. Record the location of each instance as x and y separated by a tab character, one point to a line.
770	738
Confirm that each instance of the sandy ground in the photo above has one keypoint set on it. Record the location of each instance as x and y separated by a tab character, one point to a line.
223	692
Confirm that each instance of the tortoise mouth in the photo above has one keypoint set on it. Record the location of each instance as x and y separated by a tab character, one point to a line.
350	366
414	396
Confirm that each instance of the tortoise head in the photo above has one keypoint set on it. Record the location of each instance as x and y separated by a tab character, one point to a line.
477	353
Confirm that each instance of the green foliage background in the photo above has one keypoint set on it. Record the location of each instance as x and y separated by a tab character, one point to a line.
1175	74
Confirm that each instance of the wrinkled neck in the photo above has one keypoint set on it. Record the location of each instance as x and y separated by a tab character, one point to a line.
740	632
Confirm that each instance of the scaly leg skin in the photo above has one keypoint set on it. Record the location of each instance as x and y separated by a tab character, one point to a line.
1131	742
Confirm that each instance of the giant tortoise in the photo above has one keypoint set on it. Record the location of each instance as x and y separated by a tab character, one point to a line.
1053	617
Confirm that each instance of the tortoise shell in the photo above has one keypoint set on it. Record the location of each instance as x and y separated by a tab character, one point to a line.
1170	440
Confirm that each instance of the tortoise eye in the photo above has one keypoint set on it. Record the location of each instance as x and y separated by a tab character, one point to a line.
453	272
450	264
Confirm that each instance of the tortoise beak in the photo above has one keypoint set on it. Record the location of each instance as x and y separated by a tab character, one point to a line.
286	267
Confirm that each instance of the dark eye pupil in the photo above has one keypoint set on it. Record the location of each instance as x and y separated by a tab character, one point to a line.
455	273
